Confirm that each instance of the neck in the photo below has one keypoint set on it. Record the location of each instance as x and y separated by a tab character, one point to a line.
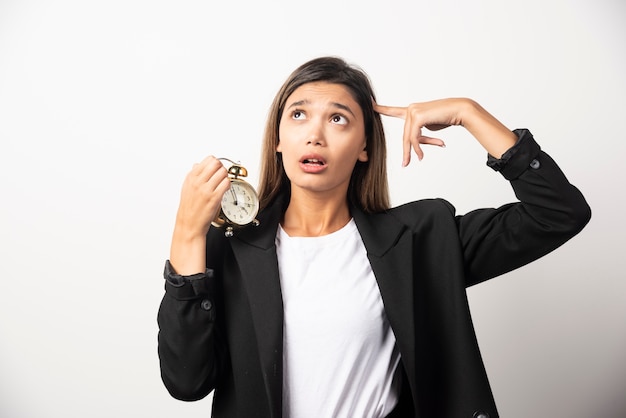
310	215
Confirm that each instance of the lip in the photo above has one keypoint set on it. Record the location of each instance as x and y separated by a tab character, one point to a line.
317	167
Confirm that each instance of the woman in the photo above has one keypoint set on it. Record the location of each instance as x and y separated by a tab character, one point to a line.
337	305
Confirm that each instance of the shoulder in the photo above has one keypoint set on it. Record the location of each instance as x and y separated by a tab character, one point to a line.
416	216
420	211
428	218
434	205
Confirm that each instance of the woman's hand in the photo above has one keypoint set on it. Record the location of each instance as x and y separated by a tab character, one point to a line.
440	114
200	200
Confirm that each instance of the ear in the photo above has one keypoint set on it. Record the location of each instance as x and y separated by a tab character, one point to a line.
363	157
278	147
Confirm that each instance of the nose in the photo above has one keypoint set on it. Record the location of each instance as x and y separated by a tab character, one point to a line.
315	136
314	141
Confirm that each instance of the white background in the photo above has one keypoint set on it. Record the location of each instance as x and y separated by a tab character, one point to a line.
105	105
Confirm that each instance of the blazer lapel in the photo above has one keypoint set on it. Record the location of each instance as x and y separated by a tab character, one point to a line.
389	248
255	251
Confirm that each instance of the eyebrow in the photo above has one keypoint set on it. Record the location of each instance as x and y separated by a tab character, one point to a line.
335	104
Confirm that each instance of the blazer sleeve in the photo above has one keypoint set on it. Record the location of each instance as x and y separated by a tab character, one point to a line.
191	347
550	211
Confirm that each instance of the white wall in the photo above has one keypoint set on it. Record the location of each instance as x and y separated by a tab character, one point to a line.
105	105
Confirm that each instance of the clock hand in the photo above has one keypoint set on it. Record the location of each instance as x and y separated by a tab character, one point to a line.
234	196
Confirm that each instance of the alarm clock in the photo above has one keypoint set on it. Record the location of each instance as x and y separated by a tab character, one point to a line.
240	203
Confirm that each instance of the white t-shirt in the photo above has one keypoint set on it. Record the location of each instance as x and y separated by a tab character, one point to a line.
339	352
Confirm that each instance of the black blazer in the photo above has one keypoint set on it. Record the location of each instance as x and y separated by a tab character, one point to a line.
222	330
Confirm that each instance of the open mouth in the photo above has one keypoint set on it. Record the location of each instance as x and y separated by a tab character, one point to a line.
313	161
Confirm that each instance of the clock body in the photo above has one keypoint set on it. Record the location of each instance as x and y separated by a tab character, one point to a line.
240	204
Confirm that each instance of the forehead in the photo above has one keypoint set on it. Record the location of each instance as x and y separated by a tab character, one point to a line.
324	93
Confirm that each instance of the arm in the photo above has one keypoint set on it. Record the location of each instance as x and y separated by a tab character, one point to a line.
191	349
550	210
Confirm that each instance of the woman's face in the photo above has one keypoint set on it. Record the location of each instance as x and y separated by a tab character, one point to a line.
321	137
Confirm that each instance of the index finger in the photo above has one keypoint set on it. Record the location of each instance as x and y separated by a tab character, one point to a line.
395	111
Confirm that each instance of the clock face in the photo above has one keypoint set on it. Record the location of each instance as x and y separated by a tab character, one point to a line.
240	203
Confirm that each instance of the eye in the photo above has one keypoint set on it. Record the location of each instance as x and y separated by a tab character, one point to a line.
339	119
298	114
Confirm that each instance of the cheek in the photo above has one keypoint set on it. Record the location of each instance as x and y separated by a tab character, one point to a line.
286	139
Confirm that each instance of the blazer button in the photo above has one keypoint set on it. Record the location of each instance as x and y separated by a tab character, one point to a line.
480	414
535	164
206	305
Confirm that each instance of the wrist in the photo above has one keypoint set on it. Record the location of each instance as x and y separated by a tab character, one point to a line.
188	251
494	136
470	113
185	232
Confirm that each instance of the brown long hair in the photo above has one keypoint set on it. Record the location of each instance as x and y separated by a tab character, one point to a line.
368	187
